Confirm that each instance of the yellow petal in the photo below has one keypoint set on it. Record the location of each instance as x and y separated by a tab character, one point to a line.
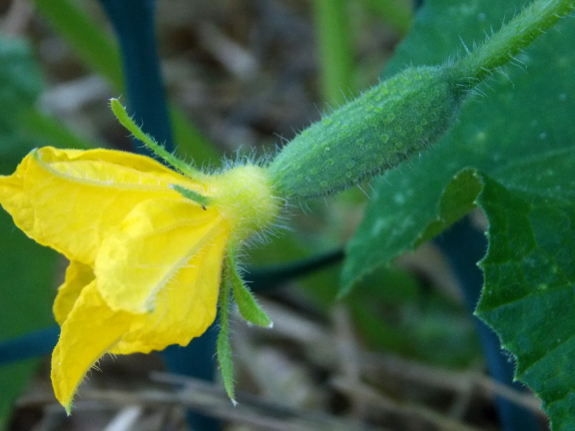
157	241
90	330
70	200
78	276
184	309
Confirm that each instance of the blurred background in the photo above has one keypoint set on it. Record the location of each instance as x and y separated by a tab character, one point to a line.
399	353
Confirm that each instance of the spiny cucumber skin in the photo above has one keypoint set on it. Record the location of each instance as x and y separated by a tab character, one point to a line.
381	128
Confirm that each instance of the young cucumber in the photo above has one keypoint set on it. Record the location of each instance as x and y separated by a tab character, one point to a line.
401	116
383	127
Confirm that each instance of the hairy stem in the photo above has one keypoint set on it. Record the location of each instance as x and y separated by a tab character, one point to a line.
513	37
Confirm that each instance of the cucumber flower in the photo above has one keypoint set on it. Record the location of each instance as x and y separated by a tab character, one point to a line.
147	246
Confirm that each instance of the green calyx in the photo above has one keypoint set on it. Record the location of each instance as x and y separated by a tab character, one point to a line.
233	287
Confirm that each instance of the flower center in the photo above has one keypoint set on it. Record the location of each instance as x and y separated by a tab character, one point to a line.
244	197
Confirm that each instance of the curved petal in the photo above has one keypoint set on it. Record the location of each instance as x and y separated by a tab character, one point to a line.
185	308
89	332
78	276
70	200
158	239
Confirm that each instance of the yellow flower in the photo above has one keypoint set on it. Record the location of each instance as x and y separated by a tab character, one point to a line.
145	244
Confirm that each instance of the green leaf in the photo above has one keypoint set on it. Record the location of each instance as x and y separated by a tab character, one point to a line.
26	269
529	283
514	148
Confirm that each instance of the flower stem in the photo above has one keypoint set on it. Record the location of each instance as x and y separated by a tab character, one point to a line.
513	37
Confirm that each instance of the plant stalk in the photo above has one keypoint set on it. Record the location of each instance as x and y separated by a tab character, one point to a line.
513	37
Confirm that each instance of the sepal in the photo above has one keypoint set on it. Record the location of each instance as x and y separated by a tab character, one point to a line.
224	347
126	121
204	201
247	305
